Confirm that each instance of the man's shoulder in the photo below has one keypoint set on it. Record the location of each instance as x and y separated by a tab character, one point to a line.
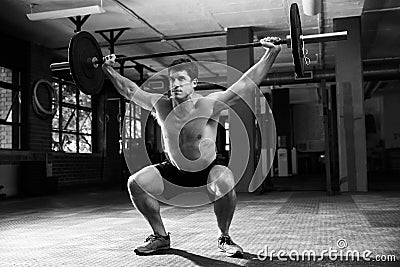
203	99
163	105
163	100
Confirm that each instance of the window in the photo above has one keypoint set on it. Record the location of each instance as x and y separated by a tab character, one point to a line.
133	125
72	124
10	109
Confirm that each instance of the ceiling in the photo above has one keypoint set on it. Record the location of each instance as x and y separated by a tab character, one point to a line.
152	20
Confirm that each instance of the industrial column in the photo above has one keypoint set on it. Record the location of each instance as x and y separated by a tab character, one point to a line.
241	60
350	105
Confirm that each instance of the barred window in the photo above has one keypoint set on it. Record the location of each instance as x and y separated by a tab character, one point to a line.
10	109
133	125
72	124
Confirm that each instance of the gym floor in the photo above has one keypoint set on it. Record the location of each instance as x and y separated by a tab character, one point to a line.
101	228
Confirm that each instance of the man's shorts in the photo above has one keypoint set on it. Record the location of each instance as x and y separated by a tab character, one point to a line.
185	178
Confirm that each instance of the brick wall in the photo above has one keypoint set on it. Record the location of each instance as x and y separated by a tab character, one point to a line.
5	104
37	129
72	169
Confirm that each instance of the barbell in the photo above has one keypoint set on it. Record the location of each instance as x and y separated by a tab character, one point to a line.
85	56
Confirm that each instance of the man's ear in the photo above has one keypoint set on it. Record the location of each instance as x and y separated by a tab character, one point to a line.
195	82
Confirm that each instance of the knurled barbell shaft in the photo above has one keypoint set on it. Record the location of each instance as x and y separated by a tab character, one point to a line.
59	66
65	65
198	50
314	38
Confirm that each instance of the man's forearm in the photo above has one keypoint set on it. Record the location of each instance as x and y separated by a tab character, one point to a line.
123	85
251	78
259	71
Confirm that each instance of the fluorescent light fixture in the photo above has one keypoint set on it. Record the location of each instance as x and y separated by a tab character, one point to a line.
66	13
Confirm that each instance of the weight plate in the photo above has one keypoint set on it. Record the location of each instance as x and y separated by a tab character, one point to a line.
82	48
297	43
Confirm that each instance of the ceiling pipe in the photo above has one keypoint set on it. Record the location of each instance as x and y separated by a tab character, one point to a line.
146	40
280	78
397	8
376	73
381	61
171	38
329	75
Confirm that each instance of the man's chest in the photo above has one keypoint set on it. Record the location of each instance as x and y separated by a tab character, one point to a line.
189	125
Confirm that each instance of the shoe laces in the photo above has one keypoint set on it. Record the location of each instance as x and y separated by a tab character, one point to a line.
153	237
226	239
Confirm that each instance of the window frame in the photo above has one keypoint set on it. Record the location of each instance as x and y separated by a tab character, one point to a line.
77	108
133	119
16	89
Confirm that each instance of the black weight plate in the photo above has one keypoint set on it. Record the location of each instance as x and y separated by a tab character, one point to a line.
82	48
297	43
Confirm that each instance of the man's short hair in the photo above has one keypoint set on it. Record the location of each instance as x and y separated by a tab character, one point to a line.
185	64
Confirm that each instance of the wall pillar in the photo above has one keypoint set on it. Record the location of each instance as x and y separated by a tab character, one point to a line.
350	105
241	60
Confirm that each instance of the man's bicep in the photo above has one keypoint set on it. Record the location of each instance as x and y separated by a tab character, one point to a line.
145	99
221	101
228	97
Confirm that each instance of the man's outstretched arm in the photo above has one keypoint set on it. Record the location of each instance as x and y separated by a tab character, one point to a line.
254	76
127	88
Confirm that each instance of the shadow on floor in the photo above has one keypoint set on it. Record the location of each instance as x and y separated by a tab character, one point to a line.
250	259
201	260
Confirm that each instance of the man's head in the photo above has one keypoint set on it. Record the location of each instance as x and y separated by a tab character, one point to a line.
183	78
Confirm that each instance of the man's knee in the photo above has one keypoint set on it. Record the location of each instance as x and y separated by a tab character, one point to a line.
220	180
148	180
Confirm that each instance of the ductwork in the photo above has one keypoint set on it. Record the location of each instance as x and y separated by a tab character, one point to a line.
370	74
280	78
375	72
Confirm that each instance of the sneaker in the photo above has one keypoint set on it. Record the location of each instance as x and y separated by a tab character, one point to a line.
226	245
154	243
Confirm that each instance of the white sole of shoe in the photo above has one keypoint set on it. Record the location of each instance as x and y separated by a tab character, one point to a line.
150	251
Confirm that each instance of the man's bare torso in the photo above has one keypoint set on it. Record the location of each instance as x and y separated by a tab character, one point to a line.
189	132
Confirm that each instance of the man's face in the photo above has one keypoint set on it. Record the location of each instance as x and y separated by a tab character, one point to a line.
181	84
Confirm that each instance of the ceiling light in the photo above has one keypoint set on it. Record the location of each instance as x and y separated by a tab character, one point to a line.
66	13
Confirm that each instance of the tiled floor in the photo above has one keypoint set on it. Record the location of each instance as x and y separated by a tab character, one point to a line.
102	229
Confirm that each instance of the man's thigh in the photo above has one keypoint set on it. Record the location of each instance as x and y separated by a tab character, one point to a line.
149	179
220	180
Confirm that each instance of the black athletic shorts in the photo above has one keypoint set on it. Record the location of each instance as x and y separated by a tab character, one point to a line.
186	178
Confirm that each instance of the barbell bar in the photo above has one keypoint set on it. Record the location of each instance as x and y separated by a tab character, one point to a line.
85	56
308	39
